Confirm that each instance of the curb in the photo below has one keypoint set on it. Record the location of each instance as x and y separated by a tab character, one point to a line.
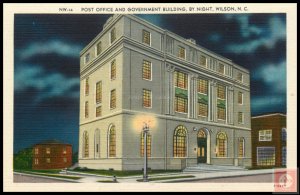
48	177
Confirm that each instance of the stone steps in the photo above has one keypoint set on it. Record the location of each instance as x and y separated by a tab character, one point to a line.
213	168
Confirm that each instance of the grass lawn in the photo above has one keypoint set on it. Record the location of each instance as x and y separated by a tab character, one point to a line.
49	173
106	181
122	173
166	178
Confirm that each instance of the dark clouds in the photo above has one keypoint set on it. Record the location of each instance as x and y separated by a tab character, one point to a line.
46	78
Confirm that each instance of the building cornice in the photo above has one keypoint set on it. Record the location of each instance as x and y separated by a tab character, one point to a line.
267	115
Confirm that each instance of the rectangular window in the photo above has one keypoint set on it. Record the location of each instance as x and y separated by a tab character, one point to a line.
112	35
203	109
48	160
181	52
113	70
36	161
240	77
147	70
86	109
221	113
202	86
221	92
221	68
240	117
87	58
64	150
99	48
98	111
181	104
65	160
181	80
240	97
203	61
112	99
87	86
265	156
36	151
265	135
283	134
241	147
146	37
147	98
47	150
99	92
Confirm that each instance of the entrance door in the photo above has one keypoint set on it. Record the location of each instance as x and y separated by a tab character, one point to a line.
202	147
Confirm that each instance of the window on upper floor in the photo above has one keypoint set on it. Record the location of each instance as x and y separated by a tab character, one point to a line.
240	117
87	58
99	48
148	145
283	134
147	66
203	61
36	151
221	92
113	70
86	109
48	150
181	104
180	79
221	68
221	102
240	97
113	99
202	86
147	98
112	35
99	92
98	111
240	77
87	86
181	52
64	150
265	135
146	37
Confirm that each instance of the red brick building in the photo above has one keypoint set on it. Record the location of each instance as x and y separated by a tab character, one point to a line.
52	155
269	140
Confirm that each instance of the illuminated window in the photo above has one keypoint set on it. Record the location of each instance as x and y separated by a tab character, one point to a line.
48	150
86	108
147	98
240	77
265	135
221	144
221	92
202	109
202	86
98	111
87	86
203	61
180	79
179	142
221	102
112	141
181	52
181	104
221	68
147	70
36	151
241	147
85	144
87	58
36	161
221	113
201	134
99	92
112	35
64	150
48	160
240	97
112	99
240	117
99	48
113	70
148	145
146	37
265	156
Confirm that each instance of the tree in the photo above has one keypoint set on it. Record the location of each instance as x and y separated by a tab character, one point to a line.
23	159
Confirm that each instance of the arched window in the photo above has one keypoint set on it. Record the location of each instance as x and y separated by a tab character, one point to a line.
241	147
85	144
222	144
112	141
180	141
97	143
201	134
148	145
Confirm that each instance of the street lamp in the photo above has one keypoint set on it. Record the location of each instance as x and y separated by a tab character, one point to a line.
145	132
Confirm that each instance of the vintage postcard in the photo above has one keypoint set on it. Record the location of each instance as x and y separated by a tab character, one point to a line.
150	97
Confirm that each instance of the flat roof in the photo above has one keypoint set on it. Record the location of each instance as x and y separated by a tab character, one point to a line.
270	114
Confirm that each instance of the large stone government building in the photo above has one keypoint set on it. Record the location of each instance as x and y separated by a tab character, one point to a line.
196	102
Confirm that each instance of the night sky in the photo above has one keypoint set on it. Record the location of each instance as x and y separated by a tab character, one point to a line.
46	60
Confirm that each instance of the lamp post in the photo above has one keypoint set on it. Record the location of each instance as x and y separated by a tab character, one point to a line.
145	132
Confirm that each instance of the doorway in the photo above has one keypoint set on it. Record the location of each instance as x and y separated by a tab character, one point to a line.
202	147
